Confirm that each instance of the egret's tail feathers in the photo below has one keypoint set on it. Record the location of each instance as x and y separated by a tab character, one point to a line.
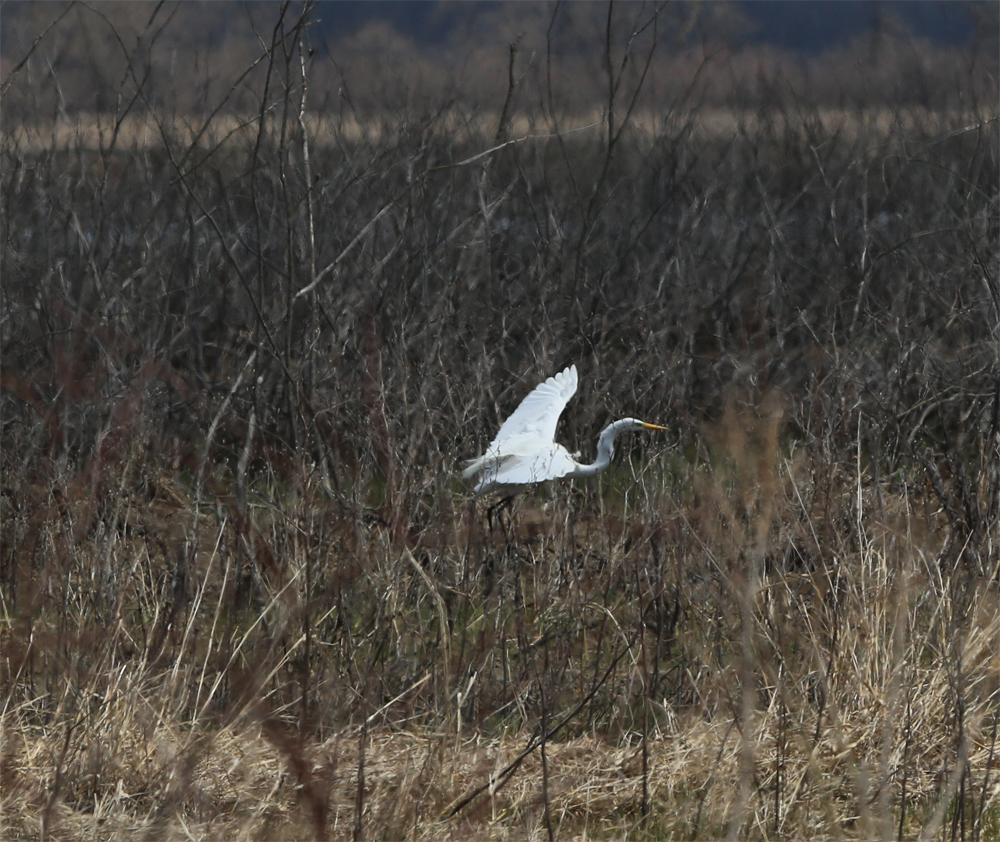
473	466
488	464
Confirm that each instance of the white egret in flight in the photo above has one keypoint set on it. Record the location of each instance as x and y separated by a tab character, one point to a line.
525	451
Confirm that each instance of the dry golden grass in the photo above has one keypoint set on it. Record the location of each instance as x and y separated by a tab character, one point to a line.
243	594
134	133
834	707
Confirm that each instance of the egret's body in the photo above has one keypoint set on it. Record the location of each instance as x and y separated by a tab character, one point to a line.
525	451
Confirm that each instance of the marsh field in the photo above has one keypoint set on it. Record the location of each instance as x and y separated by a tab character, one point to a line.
244	593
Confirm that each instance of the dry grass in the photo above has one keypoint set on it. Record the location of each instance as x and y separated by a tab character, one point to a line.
857	671
712	124
244	595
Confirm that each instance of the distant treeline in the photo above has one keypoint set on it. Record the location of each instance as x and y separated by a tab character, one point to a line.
187	58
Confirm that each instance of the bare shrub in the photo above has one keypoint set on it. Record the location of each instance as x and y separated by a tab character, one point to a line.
245	348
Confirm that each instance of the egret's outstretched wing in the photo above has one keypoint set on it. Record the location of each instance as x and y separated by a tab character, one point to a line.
539	412
517	467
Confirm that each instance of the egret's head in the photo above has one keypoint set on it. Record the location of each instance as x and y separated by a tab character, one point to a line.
607	438
636	424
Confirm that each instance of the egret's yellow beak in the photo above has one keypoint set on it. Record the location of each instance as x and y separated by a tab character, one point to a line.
653	426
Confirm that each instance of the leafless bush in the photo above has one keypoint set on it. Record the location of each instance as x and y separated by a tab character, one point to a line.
244	591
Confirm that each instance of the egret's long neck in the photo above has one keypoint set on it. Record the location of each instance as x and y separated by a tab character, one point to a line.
605	450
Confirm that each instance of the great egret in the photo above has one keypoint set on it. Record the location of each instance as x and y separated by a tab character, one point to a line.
525	451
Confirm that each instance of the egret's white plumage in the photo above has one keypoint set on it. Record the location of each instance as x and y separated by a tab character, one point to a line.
525	451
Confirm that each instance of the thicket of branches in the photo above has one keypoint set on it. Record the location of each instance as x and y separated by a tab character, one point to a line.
242	361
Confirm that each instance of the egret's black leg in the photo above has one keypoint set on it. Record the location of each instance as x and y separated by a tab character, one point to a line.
497	509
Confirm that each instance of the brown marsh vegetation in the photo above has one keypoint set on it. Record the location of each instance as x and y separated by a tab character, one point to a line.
245	595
